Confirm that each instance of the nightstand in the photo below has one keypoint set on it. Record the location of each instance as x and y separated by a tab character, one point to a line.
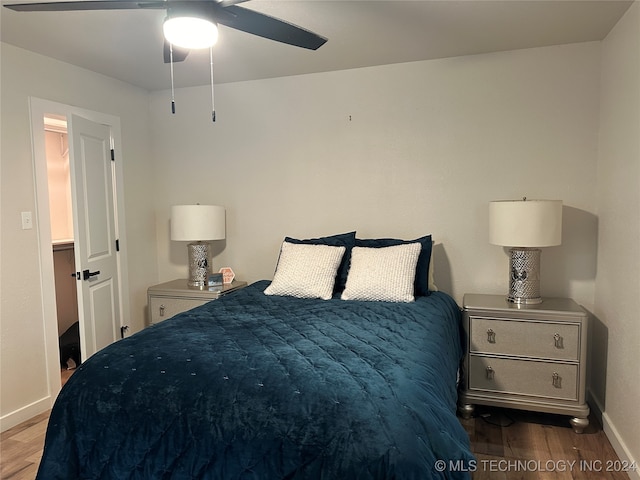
528	357
168	299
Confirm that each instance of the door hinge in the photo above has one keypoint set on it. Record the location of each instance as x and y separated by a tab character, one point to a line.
123	329
117	244
113	155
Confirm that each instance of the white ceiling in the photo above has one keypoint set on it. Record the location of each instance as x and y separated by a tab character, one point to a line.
127	44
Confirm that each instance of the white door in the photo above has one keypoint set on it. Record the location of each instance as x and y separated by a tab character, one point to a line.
94	225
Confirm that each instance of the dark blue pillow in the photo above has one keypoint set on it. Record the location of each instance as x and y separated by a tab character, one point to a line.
347	240
421	284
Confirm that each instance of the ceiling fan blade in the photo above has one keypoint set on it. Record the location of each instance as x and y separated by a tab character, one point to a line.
179	53
265	26
225	12
228	3
78	5
84	5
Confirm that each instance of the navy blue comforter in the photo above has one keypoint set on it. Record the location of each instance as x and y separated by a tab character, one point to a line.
261	387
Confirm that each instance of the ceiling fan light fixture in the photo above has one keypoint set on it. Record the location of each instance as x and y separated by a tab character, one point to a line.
190	32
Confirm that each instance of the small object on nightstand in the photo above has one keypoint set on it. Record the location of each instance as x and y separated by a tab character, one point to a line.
215	282
525	357
228	274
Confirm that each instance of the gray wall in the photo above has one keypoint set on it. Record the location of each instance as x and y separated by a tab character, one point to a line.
400	150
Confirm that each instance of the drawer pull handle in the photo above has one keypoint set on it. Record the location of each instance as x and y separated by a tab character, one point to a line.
491	336
556	380
558	341
490	373
162	310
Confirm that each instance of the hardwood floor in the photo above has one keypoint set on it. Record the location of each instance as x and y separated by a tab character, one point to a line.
513	444
21	449
508	444
21	446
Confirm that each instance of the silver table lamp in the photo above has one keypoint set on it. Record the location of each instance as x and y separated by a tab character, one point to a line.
198	224
525	225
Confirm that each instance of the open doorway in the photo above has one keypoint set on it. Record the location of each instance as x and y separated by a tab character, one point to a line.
95	289
62	243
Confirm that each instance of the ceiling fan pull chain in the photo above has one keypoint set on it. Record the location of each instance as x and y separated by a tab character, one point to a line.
213	105
173	100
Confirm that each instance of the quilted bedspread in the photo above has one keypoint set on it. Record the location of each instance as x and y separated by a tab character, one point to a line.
261	387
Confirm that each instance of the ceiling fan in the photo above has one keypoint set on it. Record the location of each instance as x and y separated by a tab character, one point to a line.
212	12
192	24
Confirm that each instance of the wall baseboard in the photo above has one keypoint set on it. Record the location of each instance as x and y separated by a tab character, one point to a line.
23	414
620	447
612	434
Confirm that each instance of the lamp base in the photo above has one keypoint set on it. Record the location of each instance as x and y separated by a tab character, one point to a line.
198	264
524	282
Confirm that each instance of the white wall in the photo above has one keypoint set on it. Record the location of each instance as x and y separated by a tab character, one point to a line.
399	150
616	332
23	370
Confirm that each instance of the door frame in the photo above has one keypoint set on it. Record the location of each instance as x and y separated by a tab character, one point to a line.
39	108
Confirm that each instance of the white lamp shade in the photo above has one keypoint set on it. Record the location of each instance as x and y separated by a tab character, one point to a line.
190	31
525	223
191	223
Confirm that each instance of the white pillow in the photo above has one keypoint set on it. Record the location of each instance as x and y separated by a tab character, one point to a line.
382	274
306	271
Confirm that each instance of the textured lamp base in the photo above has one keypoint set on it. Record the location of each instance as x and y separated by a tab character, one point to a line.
524	284
198	264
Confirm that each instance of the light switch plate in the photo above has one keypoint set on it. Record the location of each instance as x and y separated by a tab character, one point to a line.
27	221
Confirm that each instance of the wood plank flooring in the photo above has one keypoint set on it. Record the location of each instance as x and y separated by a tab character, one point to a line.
21	449
21	446
508	444
518	445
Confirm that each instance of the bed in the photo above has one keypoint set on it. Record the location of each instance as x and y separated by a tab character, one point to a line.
261	385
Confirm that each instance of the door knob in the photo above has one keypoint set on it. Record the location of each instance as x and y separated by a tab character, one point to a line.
86	274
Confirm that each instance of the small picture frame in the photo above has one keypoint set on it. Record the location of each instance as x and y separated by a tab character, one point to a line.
215	280
227	274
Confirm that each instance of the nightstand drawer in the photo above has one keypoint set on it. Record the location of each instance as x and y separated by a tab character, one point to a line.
163	308
523	377
557	341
